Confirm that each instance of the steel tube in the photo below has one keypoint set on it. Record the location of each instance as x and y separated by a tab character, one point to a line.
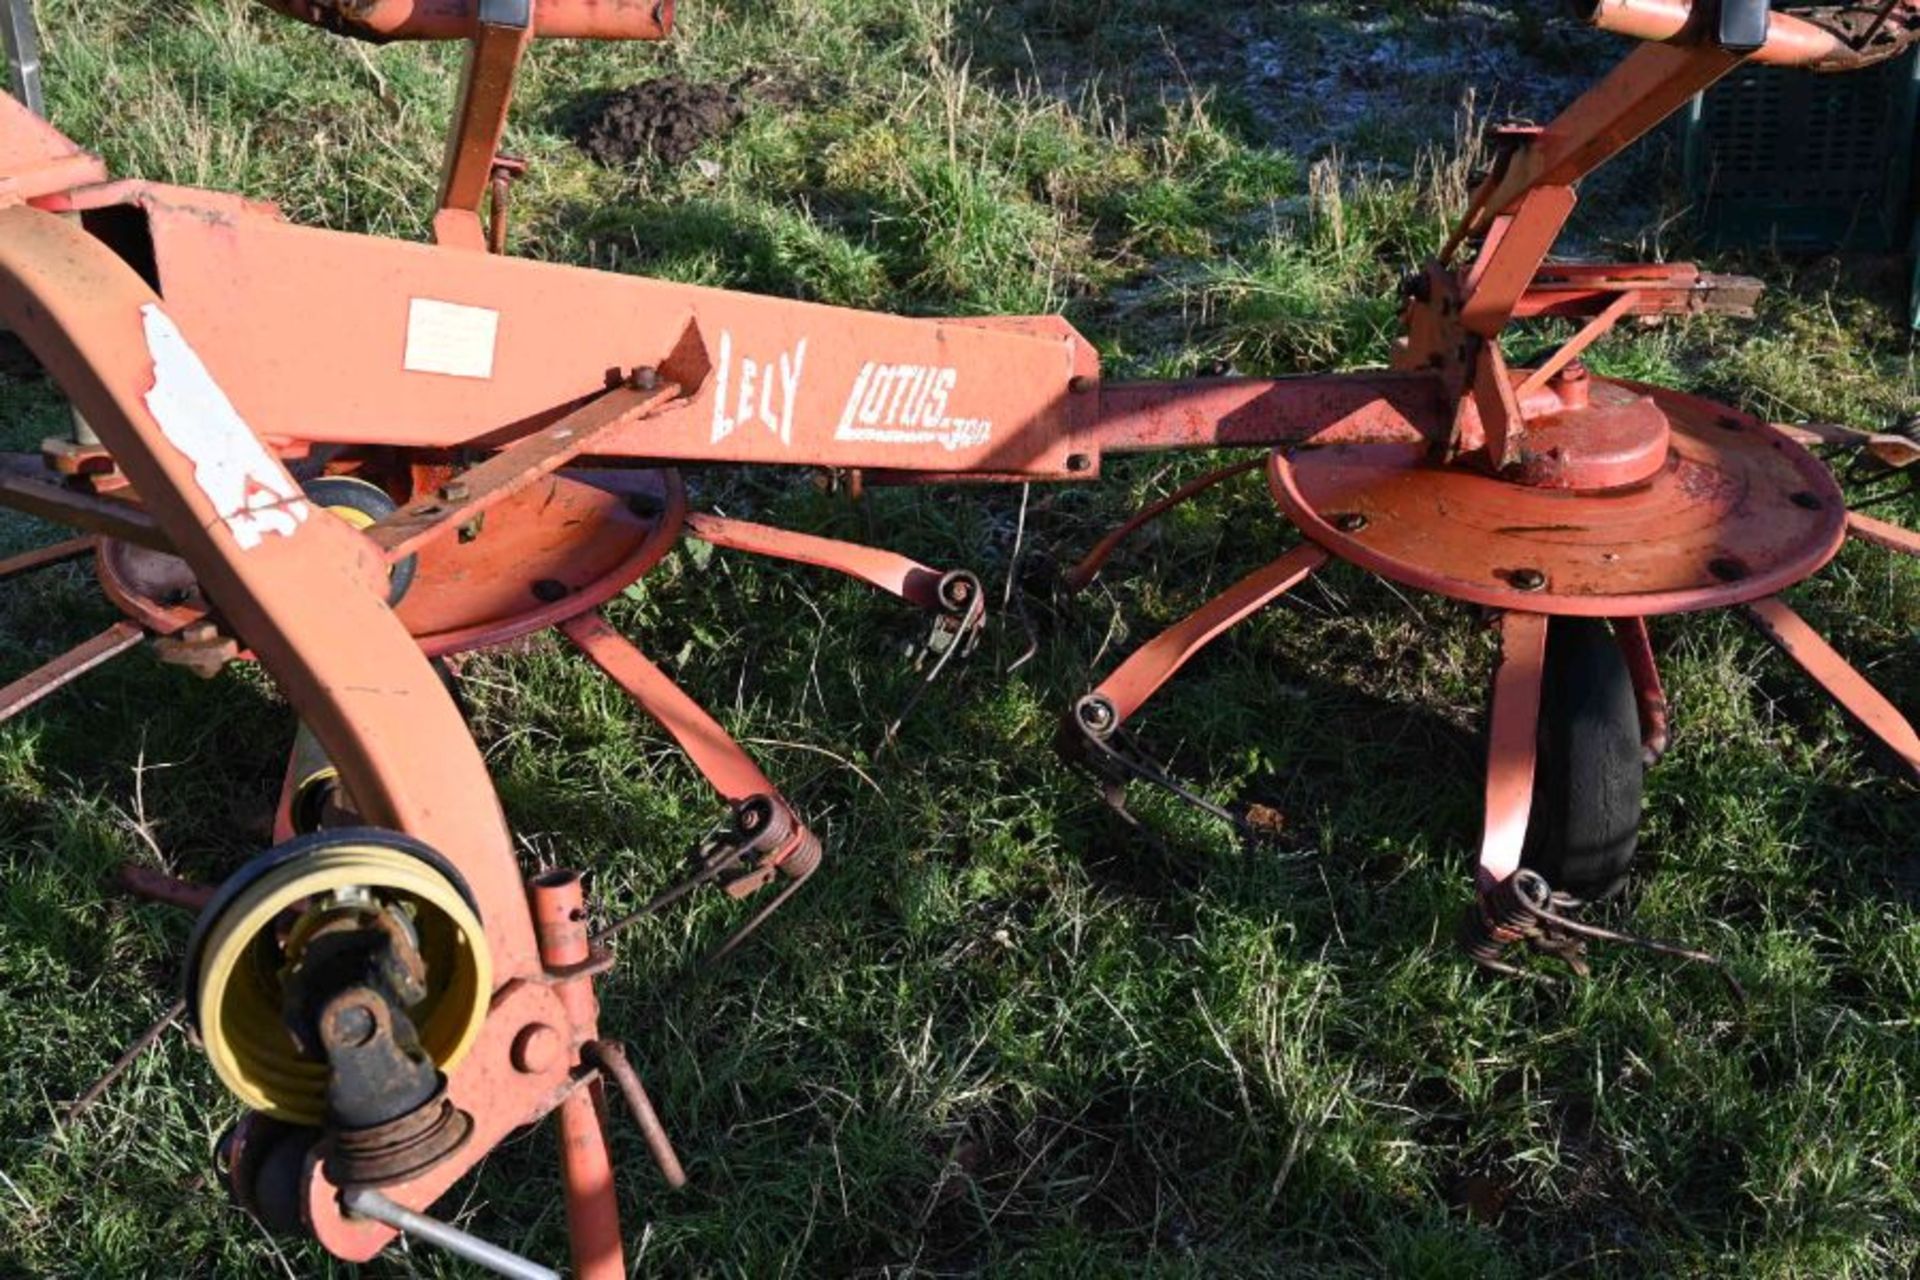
586	1167
612	1059
68	667
369	1203
22	42
1791	41
421	20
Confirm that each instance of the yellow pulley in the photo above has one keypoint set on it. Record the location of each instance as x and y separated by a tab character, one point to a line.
236	966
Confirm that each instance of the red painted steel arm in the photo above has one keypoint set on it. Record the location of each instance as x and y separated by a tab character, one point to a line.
1578	290
36	159
1791	41
890	572
1155	662
308	596
1889	537
1636	646
711	749
1867	706
1221	413
381	20
1090	565
1528	200
1512	745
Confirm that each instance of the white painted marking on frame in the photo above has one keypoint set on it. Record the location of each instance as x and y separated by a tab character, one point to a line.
251	492
763	391
446	337
907	404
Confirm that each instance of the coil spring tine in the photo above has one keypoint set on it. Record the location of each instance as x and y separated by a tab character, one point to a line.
1520	909
1693	955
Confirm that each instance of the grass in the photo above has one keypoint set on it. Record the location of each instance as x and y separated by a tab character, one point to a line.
1000	1034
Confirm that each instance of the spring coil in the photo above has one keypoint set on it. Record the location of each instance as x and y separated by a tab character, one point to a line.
1521	908
1503	916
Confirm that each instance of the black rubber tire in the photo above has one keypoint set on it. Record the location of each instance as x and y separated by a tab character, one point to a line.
371	501
1588	781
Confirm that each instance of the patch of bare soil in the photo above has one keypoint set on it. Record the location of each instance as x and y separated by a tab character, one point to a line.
666	119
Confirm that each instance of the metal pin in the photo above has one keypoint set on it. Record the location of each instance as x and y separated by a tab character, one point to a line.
368	1203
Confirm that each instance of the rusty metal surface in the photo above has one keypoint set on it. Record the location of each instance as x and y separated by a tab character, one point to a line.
1605	438
611	1057
1792	41
1739	513
1207	413
43	557
157	589
1083	573
170	891
27	485
501	1091
1636	647
563	546
472	493
1576	290
553	551
501	32
1865	705
62	671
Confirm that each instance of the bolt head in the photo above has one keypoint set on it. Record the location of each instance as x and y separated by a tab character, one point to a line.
1097	715
1528	580
352	1026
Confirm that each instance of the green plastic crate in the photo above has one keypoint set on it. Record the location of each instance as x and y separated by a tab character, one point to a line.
1779	158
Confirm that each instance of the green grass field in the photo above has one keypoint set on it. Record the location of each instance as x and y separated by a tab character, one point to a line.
1001	1034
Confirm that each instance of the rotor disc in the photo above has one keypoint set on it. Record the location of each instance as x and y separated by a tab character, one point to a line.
1738	513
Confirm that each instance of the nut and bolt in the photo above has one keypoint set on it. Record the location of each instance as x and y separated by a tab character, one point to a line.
1350	522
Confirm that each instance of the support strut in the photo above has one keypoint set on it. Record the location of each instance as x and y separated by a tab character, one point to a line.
1512	745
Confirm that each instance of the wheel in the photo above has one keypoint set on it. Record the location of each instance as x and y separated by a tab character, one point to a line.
244	958
1589	775
361	504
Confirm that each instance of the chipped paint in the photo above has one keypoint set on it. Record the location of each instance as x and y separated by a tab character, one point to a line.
251	493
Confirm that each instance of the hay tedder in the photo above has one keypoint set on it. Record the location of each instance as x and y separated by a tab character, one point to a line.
346	457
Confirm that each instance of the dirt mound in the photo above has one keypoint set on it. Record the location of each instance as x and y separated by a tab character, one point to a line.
667	119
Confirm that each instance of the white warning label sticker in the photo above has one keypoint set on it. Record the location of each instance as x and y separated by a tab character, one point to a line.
446	337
